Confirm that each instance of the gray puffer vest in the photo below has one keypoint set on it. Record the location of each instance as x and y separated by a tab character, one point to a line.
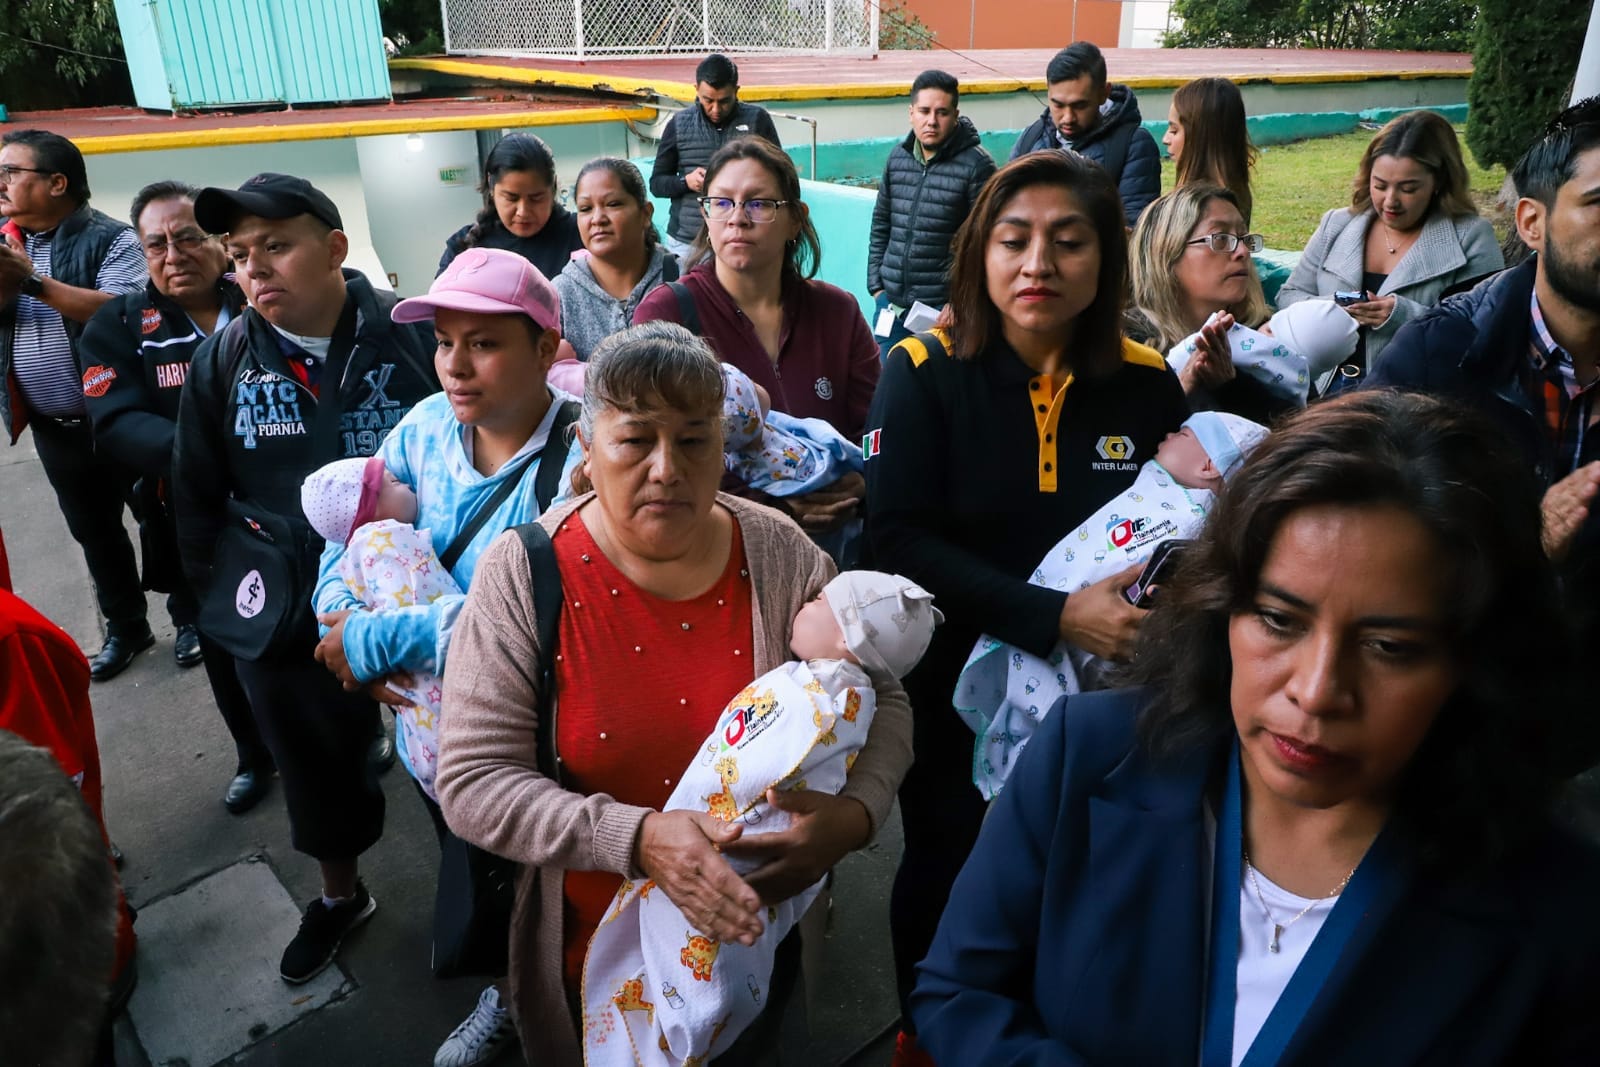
698	141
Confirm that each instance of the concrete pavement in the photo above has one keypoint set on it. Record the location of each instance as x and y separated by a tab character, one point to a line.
216	890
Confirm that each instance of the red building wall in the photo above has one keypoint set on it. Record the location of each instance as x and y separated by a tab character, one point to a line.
1020	23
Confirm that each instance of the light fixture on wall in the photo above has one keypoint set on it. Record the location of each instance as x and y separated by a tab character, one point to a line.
414	142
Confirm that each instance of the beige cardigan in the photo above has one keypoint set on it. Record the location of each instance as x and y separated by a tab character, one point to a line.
494	796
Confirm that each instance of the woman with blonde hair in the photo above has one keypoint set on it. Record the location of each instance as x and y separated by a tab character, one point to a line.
1190	260
1411	232
1209	140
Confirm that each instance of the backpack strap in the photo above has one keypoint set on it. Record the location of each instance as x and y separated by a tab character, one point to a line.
688	314
553	460
547	599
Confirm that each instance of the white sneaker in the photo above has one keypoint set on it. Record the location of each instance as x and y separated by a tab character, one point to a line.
481	1037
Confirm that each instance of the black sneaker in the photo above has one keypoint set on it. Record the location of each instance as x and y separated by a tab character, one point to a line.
321	931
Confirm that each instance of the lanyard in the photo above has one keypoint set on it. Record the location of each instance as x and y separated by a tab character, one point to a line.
1345	934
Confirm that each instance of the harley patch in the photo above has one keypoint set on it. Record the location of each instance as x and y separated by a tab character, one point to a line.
97	380
150	320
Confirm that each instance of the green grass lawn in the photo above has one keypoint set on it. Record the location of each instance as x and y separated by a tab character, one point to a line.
1295	183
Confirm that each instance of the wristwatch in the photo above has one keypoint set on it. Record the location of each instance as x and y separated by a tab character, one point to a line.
32	285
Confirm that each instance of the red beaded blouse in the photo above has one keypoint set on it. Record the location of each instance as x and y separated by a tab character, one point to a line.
640	682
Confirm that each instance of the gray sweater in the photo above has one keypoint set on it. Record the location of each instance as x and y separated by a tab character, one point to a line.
589	314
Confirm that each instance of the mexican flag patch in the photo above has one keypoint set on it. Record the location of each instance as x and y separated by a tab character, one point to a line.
871	444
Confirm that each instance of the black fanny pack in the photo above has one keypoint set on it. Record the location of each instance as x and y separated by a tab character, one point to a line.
263	576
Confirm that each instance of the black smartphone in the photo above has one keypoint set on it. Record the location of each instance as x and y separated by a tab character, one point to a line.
1163	562
1345	297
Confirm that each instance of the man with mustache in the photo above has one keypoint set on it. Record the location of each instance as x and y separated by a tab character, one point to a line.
60	260
692	136
136	352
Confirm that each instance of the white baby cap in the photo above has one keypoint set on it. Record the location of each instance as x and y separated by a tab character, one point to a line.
1320	330
331	495
887	620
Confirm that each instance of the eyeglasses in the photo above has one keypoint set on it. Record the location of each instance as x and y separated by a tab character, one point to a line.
8	174
1227	242
719	208
160	247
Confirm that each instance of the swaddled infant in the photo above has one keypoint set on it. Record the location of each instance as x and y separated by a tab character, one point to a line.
1004	691
655	990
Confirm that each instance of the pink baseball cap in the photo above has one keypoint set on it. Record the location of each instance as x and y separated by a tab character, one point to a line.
489	281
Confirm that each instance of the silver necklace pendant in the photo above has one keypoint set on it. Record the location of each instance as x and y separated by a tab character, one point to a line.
1276	930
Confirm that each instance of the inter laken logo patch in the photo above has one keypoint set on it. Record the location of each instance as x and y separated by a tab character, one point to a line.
1115	452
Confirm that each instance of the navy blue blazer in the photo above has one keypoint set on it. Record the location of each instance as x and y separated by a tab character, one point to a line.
1076	932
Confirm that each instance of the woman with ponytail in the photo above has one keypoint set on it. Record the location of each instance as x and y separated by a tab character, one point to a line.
522	211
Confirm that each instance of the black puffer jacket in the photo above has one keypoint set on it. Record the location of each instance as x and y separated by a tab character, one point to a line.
919	210
1119	143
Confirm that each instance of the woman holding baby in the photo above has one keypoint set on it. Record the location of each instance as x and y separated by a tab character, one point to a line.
488	451
1191	263
674	598
1031	412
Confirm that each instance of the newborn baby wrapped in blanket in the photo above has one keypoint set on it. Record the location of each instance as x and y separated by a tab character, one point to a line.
1297	346
388	564
655	990
1004	691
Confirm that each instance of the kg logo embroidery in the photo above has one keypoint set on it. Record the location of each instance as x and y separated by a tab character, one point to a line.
1115	452
824	388
1114	447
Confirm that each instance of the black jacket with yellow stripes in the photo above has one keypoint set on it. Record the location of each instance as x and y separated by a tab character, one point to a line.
975	470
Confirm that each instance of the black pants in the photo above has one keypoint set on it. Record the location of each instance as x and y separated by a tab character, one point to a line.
318	735
92	490
223	674
158	541
941	811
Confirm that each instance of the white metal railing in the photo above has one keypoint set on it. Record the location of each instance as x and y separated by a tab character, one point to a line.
582	29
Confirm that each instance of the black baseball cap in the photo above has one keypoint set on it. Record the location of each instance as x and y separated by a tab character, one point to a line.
268	196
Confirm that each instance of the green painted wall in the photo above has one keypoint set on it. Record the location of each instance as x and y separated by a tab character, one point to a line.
842	212
862	160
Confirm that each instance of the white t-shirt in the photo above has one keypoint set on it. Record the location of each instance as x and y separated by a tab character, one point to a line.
1262	974
315	347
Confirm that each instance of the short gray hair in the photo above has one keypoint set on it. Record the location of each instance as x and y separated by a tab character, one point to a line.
58	911
653	366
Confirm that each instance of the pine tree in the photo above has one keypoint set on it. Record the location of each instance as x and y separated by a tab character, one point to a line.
1523	60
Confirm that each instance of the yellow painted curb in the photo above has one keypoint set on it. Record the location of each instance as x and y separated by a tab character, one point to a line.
681	91
320	131
560	78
